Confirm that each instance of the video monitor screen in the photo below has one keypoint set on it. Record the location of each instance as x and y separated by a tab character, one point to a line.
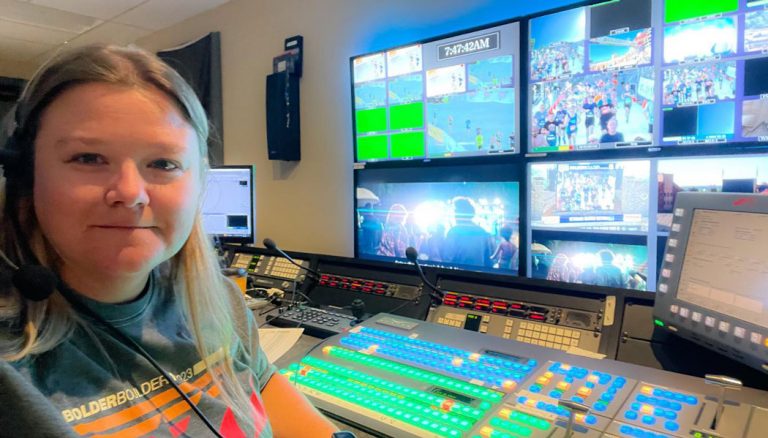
450	97
743	174
648	73
595	263
468	225
228	206
611	196
592	86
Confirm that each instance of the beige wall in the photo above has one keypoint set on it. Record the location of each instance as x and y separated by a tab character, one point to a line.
307	206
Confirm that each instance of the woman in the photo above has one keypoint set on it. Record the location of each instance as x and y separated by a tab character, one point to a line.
106	193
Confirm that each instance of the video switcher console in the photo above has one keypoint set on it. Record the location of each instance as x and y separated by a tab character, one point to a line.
400	377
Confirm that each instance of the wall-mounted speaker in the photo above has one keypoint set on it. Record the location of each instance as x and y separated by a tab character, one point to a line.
283	120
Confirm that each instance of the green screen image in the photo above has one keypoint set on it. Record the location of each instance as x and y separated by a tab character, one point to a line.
676	10
372	120
372	147
406	116
408	144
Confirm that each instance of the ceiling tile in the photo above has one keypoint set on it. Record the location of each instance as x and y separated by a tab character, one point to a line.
114	33
92	8
26	32
28	13
21	50
159	14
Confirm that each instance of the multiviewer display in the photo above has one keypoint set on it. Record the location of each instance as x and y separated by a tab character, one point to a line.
580	211
471	225
608	196
640	73
450	97
228	203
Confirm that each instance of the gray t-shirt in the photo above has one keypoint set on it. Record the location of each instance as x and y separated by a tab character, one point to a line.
100	386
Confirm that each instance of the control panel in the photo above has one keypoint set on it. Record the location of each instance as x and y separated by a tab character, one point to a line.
712	284
543	325
383	288
408	378
270	271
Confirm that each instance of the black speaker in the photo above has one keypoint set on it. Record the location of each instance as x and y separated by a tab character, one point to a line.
283	123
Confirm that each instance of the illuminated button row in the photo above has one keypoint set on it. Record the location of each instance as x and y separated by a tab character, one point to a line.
442	403
355	284
583	381
433	351
524	365
365	397
414	373
636	432
509	423
659	407
467	368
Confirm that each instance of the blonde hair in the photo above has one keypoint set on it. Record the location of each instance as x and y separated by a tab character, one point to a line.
38	327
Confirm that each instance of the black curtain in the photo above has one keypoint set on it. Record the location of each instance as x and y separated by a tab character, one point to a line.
199	63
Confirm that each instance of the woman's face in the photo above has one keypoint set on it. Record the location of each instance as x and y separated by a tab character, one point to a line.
117	179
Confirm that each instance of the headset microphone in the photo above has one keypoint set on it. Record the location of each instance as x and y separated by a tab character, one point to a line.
34	282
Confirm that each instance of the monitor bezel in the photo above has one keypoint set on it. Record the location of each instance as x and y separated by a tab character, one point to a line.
252	220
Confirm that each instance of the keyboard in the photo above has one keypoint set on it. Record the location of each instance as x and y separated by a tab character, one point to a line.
318	322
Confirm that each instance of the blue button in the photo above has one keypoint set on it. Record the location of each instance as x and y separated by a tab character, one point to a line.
671	426
577	399
625	429
630	415
590	385
600	406
591	420
535	388
555	394
642	399
635	406
691	400
649	420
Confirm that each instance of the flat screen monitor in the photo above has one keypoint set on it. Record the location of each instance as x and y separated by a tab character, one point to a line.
591	78
640	73
228	206
454	96
604	196
712	284
584	261
464	224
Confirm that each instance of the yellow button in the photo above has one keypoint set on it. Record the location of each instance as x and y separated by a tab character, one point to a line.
486	431
505	412
542	380
593	378
647	390
563	386
646	409
584	391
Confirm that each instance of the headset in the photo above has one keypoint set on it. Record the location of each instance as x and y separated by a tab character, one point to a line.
36	282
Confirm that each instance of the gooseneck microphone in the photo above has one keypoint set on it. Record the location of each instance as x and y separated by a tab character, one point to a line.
413	256
271	245
34	282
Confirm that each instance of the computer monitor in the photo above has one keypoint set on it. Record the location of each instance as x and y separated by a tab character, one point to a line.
228	207
712	283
